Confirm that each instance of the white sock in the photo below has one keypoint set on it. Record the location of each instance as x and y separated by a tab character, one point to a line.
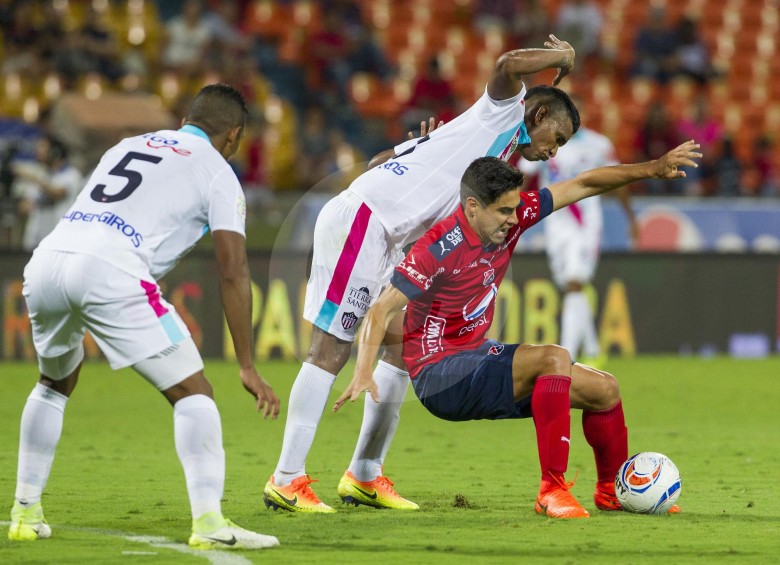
590	338
197	430
308	398
380	421
40	432
571	322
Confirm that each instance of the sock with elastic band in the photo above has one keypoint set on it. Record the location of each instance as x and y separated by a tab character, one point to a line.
197	432
308	398
380	421
606	432
552	418
40	432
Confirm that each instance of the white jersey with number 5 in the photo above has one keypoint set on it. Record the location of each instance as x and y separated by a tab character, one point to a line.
149	201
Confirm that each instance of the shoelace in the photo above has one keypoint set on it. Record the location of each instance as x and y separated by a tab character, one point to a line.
301	485
561	482
385	481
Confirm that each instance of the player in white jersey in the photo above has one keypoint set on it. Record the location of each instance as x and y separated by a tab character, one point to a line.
573	238
358	240
150	199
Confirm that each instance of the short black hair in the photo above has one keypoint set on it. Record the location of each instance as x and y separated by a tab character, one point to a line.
217	108
487	178
557	100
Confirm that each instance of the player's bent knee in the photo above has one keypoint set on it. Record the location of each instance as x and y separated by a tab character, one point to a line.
554	360
328	352
611	390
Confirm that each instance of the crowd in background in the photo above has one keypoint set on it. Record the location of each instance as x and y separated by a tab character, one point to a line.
306	132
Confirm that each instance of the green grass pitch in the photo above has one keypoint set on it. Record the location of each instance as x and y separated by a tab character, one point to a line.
116	493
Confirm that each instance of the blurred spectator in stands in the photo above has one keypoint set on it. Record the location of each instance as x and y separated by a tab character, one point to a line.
9	200
491	14
763	164
432	95
20	39
727	171
316	140
329	57
656	136
98	46
699	124
252	164
530	24
654	47
691	57
580	22
48	188
224	24
186	38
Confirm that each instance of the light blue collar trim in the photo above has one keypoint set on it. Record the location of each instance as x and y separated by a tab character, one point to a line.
195	130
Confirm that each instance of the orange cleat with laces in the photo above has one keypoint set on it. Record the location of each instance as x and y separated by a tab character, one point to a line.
378	493
295	497
556	501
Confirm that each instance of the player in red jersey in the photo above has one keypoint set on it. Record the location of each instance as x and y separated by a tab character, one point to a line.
447	283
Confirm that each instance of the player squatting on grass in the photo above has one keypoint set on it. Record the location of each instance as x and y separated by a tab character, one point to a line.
448	281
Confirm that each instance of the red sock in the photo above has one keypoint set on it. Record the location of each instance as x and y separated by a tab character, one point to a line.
607	434
550	407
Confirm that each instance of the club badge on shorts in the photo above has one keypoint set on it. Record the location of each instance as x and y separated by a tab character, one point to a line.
495	349
348	320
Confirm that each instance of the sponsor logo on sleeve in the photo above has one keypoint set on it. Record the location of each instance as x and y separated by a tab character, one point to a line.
446	243
241	207
415	275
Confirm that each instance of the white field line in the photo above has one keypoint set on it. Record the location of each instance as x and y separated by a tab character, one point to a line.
213	556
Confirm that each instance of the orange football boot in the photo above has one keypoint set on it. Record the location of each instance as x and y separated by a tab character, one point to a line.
556	501
295	497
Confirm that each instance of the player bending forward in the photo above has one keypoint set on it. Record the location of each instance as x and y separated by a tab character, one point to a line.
358	240
150	199
448	282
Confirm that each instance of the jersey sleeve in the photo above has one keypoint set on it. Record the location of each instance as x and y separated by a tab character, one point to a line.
227	205
414	275
535	205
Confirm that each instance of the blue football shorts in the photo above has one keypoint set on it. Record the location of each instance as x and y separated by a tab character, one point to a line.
472	385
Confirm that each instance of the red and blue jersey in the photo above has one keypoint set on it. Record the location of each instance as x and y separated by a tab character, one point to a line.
452	281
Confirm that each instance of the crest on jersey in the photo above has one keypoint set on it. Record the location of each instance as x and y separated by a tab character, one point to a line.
348	320
489	277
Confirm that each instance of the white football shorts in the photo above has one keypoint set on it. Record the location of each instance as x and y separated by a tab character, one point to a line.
69	293
573	257
353	260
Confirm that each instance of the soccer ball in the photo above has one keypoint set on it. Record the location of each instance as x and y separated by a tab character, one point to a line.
648	483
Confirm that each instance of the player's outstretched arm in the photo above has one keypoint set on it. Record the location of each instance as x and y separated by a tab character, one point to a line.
507	78
604	179
236	295
372	332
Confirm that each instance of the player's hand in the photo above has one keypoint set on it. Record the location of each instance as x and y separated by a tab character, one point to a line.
358	385
426	128
667	167
267	401
567	63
